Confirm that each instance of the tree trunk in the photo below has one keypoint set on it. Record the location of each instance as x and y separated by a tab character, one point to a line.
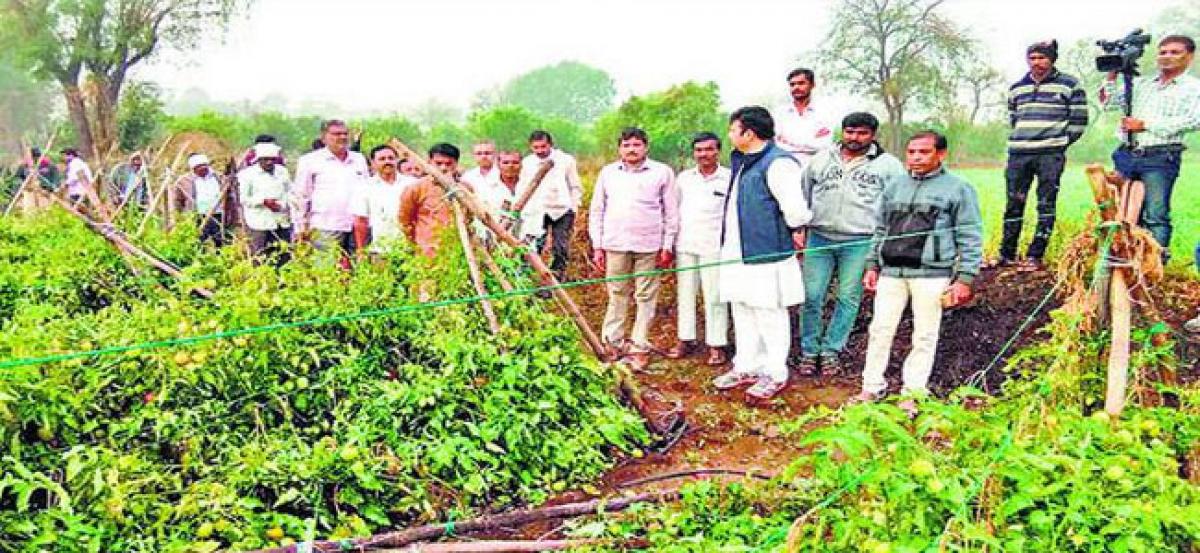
104	99
895	143
77	110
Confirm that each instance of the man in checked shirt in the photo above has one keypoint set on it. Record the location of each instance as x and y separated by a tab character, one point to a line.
1166	107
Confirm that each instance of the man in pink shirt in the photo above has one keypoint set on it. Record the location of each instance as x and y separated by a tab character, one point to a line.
633	221
325	181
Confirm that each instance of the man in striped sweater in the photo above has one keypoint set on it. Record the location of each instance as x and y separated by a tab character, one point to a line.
1048	112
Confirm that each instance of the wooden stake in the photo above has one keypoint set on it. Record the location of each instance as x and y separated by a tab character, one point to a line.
479	211
473	267
118	241
1118	355
163	191
146	168
490	263
33	172
543	169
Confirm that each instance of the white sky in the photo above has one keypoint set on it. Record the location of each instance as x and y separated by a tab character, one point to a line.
390	54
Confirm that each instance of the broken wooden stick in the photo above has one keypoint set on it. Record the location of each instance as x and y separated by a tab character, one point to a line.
34	172
507	546
117	239
464	236
477	209
163	194
534	183
490	263
505	520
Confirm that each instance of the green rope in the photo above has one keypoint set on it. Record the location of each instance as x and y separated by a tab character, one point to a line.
409	308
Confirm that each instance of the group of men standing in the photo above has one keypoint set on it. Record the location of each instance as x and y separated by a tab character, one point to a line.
859	218
911	232
344	201
733	234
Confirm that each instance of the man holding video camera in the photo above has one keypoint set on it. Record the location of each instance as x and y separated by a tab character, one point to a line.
1165	108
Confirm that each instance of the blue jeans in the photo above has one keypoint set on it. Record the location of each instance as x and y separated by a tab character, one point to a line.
822	258
1158	172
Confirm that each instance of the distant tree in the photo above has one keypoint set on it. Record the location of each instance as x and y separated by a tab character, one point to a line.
508	126
568	89
447	131
971	88
378	130
140	115
432	112
893	50
1079	60
25	106
670	118
89	47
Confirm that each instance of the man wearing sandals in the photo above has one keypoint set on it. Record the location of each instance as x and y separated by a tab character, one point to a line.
928	247
1048	112
701	209
633	221
765	214
843	184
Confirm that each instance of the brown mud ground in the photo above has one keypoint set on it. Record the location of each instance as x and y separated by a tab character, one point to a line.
724	432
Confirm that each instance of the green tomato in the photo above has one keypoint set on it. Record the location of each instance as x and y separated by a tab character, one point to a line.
921	468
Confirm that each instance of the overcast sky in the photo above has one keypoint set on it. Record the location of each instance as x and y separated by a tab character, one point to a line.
391	54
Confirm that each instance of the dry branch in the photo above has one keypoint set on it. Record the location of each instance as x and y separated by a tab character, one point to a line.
493	522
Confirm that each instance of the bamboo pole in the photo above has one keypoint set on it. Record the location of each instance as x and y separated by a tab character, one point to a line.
162	194
540	175
473	268
219	203
33	172
479	211
490	263
117	239
146	168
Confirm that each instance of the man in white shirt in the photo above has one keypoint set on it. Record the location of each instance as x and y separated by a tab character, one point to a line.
559	196
801	128
376	205
201	192
701	211
483	175
325	181
79	175
264	188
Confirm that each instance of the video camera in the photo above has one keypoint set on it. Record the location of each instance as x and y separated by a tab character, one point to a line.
1122	55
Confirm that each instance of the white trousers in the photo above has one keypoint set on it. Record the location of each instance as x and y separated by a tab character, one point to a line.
704	281
763	336
891	297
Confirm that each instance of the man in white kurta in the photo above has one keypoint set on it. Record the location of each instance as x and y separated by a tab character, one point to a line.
760	286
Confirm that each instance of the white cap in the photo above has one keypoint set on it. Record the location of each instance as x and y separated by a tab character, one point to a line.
196	160
266	149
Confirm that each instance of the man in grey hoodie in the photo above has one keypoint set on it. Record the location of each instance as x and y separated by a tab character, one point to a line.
844	184
928	248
